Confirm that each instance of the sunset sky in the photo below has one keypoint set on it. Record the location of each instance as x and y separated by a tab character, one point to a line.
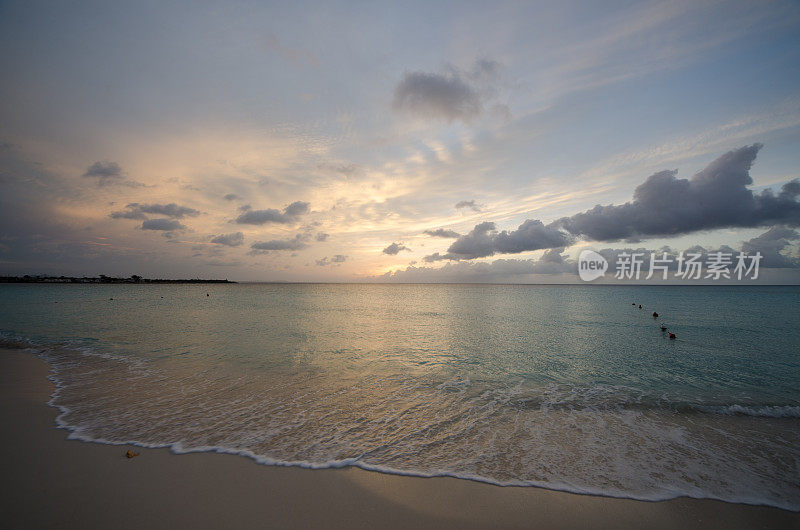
375	141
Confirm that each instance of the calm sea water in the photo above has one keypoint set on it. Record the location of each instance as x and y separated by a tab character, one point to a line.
565	387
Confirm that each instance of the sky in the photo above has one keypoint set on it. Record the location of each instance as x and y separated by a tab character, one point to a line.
403	141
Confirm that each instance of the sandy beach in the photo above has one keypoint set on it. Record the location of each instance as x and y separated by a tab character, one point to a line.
49	481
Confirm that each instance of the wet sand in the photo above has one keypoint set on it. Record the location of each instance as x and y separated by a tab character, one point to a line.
49	481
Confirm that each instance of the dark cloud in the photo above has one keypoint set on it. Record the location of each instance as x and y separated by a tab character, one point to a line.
230	240
441	232
663	205
771	245
104	170
107	172
338	258
290	214
161	224
468	204
716	197
296	243
137	211
394	249
484	240
231	197
322	236
128	214
451	95
501	270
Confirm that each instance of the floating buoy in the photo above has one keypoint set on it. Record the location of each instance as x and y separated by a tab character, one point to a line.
672	335
633	303
131	454
655	315
663	327
640	306
208	294
110	298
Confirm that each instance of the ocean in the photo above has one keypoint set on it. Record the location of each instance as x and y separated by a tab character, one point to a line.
571	388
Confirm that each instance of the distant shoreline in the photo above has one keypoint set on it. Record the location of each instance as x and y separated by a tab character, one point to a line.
99	279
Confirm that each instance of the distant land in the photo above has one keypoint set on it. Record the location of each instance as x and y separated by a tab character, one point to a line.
99	279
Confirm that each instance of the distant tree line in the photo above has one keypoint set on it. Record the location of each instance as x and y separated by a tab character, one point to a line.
98	279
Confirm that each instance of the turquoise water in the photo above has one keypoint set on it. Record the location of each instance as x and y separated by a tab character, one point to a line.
566	387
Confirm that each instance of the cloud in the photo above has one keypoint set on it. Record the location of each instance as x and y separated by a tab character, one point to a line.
338	258
716	197
771	245
231	197
663	205
451	95
468	204
322	236
229	240
161	224
128	214
104	170
137	211
289	215
296	243
441	232
551	263
484	240
107	172
394	249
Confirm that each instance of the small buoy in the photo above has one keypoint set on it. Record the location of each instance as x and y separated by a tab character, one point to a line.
663	327
655	315
672	335
131	454
208	294
633	303
640	306
110	298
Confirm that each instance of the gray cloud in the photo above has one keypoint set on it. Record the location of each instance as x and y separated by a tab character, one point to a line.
107	172
452	95
484	240
161	224
322	236
716	197
104	170
663	205
231	197
551	263
289	215
128	214
468	204
338	258
441	232
394	249
771	245
296	243
135	210
230	240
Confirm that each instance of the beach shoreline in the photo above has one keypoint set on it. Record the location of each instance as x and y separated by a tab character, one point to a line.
52	481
